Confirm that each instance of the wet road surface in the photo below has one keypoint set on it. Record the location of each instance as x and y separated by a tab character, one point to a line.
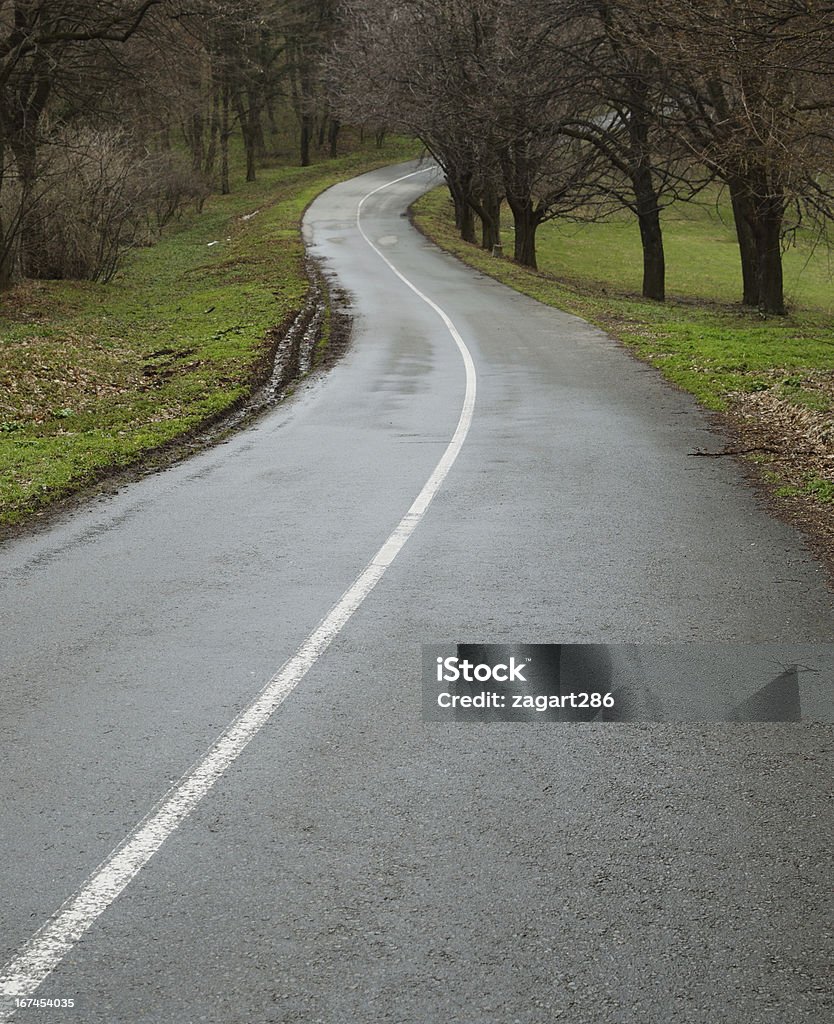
355	863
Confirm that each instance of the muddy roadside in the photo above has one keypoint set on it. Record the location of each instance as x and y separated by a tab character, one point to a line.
308	343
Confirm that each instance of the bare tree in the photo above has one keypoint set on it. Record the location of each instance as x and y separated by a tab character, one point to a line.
78	69
45	46
477	82
749	90
310	28
617	101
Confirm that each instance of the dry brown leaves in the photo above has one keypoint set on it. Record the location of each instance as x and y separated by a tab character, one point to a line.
798	443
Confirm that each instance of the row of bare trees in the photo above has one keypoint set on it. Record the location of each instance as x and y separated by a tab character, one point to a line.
116	113
579	107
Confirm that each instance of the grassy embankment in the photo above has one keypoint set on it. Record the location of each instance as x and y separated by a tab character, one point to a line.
95	377
775	375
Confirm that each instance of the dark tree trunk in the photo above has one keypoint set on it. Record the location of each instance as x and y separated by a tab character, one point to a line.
769	251
654	263
256	128
743	217
654	260
225	186
198	154
31	231
5	242
270	116
306	136
23	142
303	98
518	173
490	221
467	224
244	116
464	214
246	129
459	205
526	224
333	136
260	137
214	131
6	257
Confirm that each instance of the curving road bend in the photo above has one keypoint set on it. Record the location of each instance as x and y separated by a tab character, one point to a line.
348	862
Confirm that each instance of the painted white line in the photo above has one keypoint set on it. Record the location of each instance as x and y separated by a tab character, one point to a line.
49	945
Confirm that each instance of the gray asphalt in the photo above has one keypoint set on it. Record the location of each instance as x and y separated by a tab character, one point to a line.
357	864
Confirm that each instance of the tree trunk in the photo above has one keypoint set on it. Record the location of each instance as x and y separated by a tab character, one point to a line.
468	207
467	224
256	122
490	221
769	252
518	174
333	136
307	100
464	214
306	134
31	233
214	131
6	258
270	115
225	187
654	260
5	243
24	145
244	116
196	139
743	217
253	133
459	205
651	236
526	223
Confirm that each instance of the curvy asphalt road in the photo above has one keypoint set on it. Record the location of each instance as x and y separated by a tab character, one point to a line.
355	863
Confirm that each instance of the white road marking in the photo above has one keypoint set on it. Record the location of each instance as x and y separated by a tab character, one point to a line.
49	945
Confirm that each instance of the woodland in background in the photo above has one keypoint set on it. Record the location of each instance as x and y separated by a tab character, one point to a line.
115	114
580	107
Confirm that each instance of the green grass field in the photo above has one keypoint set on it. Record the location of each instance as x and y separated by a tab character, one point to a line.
94	377
702	339
701	256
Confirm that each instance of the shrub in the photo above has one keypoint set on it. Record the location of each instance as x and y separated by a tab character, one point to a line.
99	196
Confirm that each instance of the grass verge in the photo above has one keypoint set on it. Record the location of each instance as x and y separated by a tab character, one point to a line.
771	379
93	377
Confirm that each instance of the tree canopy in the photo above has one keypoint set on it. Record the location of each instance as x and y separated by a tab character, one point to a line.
575	108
